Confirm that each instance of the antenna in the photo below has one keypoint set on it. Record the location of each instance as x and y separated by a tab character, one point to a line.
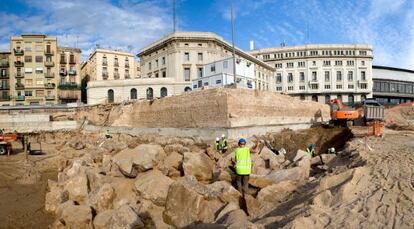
77	38
174	16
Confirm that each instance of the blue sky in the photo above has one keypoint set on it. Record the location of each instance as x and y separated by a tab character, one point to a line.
388	25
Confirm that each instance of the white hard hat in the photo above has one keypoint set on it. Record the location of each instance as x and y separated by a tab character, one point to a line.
217	139
223	135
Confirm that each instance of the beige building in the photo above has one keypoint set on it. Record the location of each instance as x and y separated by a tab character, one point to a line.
69	88
5	98
321	72
33	70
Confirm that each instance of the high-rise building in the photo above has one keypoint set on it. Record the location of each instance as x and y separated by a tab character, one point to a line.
69	75
33	70
5	98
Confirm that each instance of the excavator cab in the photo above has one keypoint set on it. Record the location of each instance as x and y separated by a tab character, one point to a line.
342	115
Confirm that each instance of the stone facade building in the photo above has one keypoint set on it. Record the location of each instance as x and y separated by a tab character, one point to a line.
321	72
69	75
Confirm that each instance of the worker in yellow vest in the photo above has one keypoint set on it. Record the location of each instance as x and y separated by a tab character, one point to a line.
223	143
310	150
243	166
217	145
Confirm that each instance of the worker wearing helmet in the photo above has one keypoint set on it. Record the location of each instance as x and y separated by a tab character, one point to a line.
310	150
223	143
243	166
217	145
108	134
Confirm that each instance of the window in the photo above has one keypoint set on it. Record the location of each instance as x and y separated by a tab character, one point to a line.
218	81
104	60
127	74
213	67
163	92
39	59
28	82
156	63
186	56
363	76
225	65
351	99
200	56
363	86
110	96
39	48
362	53
315	98
279	65
290	88
338	76
314	86
200	72
301	64
28	70
290	77
363	63
164	74
314	76
163	60
350	76
350	62
28	48
28	59
314	63
278	78
338	62
327	86
188	89
289	65
150	93
156	75
187	74
39	70
350	86
278	88
28	93
339	86
301	76
302	88
149	65
327	76
40	93
327	99
326	63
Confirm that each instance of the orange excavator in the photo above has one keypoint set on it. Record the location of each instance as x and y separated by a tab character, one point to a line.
5	143
342	115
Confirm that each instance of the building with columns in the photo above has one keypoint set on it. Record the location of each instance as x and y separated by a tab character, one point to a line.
321	72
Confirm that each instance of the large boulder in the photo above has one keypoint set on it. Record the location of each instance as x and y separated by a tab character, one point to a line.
178	148
105	197
198	165
151	215
189	201
259	165
296	174
77	188
300	154
276	192
227	193
153	185
54	198
76	216
171	165
144	157
124	217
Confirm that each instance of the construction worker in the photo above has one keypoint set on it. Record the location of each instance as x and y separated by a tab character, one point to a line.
223	143
217	145
107	134
310	150
243	166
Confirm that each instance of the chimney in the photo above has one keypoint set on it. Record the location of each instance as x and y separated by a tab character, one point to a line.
251	44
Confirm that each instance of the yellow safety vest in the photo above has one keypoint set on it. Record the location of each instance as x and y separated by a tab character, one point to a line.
310	152
243	161
217	146
223	144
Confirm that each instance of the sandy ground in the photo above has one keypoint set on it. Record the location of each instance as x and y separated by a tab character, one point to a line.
375	189
22	191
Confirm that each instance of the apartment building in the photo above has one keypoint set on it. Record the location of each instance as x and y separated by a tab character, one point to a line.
168	66
33	70
220	74
5	98
69	75
106	68
321	72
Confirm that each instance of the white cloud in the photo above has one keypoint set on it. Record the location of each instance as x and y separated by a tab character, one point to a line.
87	23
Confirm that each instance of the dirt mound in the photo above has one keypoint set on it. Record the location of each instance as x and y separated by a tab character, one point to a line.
400	117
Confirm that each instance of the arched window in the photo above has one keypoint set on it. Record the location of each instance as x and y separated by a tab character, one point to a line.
351	99
327	99
150	93
315	98
187	89
134	93
110	96
164	92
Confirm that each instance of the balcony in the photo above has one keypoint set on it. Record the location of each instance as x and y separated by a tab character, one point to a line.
19	64
72	72
49	74
49	63
4	63
20	98
69	95
4	87
104	63
19	86
18	52
19	75
63	72
49	52
4	98
5	76
50	97
69	86
126	65
50	85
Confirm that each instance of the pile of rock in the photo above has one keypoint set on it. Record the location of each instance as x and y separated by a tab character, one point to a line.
175	183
